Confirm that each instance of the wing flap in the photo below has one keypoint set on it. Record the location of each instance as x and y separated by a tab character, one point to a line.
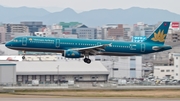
93	49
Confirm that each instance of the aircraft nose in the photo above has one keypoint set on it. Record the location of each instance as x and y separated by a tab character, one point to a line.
8	44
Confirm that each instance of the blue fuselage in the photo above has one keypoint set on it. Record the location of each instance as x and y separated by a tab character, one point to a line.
47	44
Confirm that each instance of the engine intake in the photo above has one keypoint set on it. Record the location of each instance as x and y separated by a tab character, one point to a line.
72	54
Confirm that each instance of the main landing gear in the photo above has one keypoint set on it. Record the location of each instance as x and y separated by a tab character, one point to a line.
23	57
87	60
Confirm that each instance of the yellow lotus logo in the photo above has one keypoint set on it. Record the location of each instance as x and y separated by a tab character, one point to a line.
30	39
160	36
72	54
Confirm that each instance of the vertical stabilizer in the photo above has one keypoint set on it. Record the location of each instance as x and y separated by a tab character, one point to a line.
159	35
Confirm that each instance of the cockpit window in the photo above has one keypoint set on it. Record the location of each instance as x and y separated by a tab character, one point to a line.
15	40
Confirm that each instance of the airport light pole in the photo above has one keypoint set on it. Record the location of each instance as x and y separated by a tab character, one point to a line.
113	67
58	73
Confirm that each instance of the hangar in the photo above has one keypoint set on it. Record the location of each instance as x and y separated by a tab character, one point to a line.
7	73
51	72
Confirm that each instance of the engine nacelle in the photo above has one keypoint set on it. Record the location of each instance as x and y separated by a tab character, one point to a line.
72	54
156	48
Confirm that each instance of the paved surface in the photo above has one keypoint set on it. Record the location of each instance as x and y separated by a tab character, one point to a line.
83	99
66	87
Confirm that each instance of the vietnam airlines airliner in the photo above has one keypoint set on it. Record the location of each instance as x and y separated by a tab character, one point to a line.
83	48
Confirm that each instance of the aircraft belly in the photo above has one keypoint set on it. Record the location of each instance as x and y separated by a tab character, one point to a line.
116	54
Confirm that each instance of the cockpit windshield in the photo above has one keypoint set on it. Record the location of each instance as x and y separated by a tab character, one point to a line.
16	40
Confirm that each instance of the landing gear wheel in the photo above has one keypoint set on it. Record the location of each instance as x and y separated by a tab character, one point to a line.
86	60
23	57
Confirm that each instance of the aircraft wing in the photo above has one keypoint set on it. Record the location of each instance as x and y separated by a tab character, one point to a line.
93	49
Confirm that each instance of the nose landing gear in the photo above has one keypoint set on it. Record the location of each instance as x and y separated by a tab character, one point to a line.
23	57
24	53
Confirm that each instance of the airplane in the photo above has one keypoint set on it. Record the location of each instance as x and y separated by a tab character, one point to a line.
83	48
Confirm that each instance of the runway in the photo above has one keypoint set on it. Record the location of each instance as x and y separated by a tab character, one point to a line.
84	99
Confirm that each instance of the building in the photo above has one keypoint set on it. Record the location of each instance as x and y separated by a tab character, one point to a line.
34	58
50	72
41	34
16	28
82	31
138	29
53	69
164	72
50	31
141	29
149	29
171	71
120	67
69	36
104	33
33	26
7	73
69	25
176	58
174	32
44	31
56	30
99	33
117	32
2	34
173	37
60	72
13	35
127	32
87	33
174	25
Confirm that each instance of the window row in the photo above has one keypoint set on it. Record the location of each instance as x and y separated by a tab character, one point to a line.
46	42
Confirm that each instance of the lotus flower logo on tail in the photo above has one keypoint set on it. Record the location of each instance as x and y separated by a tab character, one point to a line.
160	36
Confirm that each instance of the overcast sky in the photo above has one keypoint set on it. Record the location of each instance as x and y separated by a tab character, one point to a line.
84	5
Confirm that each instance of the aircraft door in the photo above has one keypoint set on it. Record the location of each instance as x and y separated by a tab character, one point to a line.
24	41
132	46
143	47
57	43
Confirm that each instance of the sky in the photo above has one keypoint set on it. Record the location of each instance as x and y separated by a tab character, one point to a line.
86	5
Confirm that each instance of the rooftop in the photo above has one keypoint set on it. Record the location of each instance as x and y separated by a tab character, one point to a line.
61	67
6	63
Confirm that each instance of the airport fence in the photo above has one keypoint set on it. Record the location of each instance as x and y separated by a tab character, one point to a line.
111	84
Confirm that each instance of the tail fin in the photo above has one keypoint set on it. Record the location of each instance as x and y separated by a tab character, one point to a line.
159	35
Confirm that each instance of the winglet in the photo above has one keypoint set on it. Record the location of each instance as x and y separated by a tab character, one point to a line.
110	45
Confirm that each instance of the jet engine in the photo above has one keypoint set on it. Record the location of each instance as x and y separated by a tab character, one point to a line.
72	54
